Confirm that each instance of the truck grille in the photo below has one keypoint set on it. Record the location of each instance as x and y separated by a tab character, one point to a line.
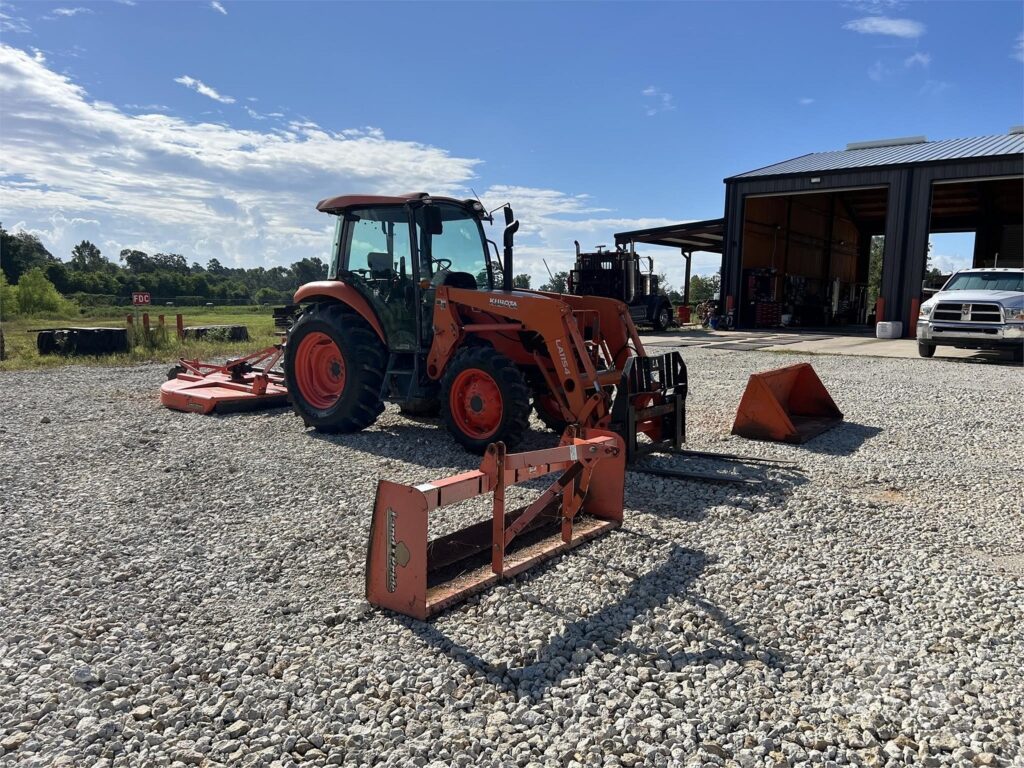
972	313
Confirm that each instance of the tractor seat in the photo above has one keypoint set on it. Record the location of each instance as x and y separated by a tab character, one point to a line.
380	264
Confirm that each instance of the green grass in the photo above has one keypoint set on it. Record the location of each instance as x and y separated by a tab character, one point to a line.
21	351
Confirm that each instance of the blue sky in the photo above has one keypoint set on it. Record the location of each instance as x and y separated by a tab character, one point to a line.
212	128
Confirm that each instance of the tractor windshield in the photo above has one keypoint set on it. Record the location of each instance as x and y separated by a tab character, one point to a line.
460	242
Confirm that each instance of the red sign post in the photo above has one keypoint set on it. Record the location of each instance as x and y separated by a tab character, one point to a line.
140	298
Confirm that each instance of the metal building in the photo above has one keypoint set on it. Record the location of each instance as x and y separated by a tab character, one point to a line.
796	236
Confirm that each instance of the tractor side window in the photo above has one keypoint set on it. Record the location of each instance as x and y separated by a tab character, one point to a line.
332	271
378	241
461	242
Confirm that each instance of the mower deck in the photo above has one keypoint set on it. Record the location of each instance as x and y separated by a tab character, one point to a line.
244	384
219	393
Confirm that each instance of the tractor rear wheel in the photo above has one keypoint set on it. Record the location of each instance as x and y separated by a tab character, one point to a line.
484	399
334	367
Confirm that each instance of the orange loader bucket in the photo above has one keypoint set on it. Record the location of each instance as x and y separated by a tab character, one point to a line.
787	405
408	574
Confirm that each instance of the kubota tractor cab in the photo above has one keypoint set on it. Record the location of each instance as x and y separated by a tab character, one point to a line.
416	311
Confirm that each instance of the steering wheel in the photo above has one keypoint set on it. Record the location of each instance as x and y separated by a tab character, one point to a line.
442	264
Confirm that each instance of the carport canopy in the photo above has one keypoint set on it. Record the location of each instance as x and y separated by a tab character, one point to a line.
692	236
707	235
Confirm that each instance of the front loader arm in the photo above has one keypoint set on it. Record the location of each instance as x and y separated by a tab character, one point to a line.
566	363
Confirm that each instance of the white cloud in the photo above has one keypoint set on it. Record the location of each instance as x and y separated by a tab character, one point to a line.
218	7
884	25
918	60
202	88
806	101
73	167
70	11
657	100
1018	50
949	263
9	23
935	87
204	190
877	71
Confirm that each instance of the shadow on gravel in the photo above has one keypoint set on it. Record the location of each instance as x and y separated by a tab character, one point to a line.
843	440
981	358
587	638
424	442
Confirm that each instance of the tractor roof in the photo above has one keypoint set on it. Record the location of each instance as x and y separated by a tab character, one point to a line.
341	202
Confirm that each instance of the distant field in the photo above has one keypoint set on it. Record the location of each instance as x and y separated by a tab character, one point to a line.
21	343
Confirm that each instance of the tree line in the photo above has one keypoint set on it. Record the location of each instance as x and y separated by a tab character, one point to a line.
89	278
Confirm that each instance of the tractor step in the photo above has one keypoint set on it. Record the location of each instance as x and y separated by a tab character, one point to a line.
408	574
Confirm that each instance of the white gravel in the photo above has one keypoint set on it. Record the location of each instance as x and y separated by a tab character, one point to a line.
186	590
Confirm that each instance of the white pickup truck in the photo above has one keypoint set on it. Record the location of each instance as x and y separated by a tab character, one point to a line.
975	309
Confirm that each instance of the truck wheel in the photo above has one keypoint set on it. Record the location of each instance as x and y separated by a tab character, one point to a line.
663	318
334	367
925	350
484	399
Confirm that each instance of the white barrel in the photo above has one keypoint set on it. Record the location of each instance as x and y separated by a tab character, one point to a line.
892	329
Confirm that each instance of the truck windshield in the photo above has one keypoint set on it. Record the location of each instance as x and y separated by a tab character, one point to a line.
986	281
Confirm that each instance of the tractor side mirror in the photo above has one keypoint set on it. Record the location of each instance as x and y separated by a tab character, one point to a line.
432	221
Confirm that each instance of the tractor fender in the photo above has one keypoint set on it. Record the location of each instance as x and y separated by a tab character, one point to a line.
336	290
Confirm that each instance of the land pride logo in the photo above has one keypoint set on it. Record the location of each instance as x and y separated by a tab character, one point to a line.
508	303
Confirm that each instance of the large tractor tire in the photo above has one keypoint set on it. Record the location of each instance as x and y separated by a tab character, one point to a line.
484	399
334	367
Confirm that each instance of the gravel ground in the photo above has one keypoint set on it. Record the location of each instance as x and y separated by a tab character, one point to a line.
186	590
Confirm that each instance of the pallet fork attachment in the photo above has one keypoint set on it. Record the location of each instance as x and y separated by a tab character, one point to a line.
408	574
242	384
651	400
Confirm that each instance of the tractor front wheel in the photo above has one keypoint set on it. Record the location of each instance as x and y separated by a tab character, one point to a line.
546	406
334	367
484	399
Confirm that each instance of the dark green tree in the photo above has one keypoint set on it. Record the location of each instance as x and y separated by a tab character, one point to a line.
558	283
86	257
21	252
704	287
521	281
137	262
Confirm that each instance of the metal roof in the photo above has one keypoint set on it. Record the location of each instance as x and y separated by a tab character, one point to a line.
903	154
691	236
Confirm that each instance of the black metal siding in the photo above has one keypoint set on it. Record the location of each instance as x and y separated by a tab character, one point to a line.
908	216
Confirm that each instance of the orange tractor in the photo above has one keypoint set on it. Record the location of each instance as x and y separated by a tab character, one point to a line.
417	311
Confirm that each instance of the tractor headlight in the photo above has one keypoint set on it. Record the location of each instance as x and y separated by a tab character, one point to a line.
1013	313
